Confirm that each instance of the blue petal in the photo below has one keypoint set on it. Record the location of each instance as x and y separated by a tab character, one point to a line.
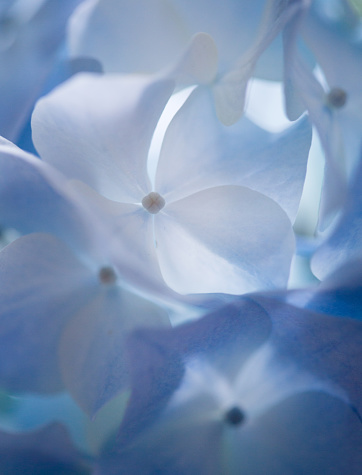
29	58
157	357
48	450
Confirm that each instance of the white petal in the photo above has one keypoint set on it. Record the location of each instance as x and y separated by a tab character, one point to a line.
199	152
225	239
98	129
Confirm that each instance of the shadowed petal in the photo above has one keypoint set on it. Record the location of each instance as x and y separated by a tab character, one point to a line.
48	450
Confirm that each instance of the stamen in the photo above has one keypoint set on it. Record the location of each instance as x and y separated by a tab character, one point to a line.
337	98
107	275
153	202
234	416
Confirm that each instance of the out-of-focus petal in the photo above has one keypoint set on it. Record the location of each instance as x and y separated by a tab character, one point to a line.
28	48
42	286
160	32
98	129
105	29
345	242
92	348
224	239
199	152
309	432
34	198
198	64
48	450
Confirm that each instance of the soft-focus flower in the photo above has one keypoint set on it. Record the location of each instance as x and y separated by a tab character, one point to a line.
65	312
257	387
161	32
206	224
334	105
31	33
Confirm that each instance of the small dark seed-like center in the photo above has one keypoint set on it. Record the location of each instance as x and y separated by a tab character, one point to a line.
153	202
337	98
234	416
107	275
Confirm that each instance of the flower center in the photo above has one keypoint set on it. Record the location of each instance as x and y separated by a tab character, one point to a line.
107	275
153	202
234	416
337	98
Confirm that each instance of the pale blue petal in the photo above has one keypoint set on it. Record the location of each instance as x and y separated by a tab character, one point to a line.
106	29
28	51
226	239
98	129
345	241
42	286
199	152
160	32
35	198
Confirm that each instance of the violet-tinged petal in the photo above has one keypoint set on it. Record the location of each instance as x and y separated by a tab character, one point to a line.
309	432
325	346
199	152
224	239
92	349
28	50
157	357
98	129
47	450
42	286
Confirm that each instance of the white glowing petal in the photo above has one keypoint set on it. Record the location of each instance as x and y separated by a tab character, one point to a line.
98	129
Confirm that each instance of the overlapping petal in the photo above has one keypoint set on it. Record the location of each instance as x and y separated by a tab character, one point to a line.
92	357
344	244
38	297
28	48
35	198
101	129
60	317
199	152
224	239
